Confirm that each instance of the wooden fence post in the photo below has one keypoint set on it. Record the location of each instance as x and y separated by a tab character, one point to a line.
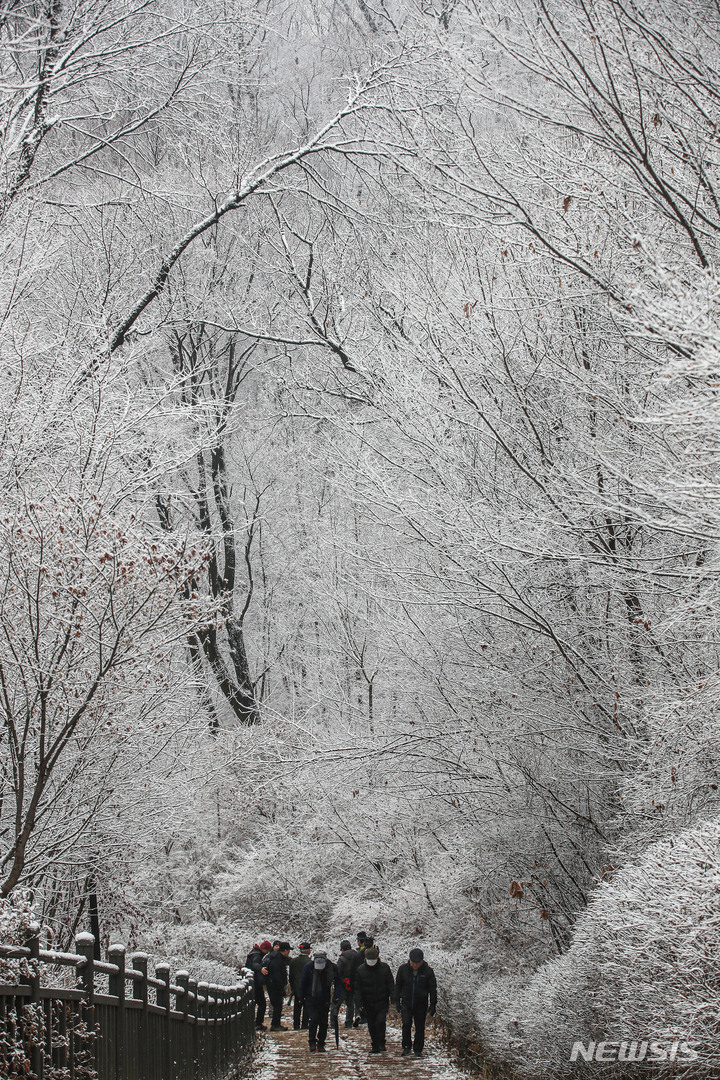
140	993
32	942
162	973
182	978
204	1027
116	955
196	1035
85	949
183	1063
222	994
214	1027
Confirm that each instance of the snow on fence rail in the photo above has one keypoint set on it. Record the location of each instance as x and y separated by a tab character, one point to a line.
124	1025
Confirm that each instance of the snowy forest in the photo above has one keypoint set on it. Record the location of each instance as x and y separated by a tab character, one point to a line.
360	471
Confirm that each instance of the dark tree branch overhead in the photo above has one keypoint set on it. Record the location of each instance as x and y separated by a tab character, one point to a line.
254	183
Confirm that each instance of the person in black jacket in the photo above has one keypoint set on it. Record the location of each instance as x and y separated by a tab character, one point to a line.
374	989
364	941
415	996
255	961
319	984
275	972
297	966
348	963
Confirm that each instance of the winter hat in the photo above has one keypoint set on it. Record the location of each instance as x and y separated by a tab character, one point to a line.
371	956
265	946
304	946
284	946
361	935
416	955
345	945
320	960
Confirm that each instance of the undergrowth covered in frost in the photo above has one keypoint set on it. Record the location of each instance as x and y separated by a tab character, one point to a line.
643	965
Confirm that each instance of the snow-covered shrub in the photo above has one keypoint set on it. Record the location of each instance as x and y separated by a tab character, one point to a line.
21	1035
350	914
457	977
210	971
16	917
211	953
287	891
642	967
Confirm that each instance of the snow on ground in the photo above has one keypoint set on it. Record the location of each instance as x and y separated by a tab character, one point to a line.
284	1055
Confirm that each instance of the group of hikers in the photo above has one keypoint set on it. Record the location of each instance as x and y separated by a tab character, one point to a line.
358	979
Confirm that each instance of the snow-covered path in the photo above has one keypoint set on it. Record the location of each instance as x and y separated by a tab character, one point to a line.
284	1055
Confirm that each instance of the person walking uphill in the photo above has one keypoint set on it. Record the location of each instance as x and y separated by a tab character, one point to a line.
255	961
275	971
348	963
297	966
319	985
416	995
374	989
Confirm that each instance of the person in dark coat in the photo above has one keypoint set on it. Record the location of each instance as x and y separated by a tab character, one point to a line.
255	961
297	965
364	941
275	973
348	963
374	989
319	986
415	996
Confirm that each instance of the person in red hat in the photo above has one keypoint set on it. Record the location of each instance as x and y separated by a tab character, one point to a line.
255	961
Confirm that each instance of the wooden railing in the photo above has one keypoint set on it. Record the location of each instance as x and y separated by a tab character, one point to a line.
114	1019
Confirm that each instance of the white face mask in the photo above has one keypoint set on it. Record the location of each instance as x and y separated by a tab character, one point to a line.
371	963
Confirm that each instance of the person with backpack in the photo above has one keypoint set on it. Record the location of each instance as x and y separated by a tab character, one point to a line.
255	961
348	963
297	966
319	987
374	990
415	996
